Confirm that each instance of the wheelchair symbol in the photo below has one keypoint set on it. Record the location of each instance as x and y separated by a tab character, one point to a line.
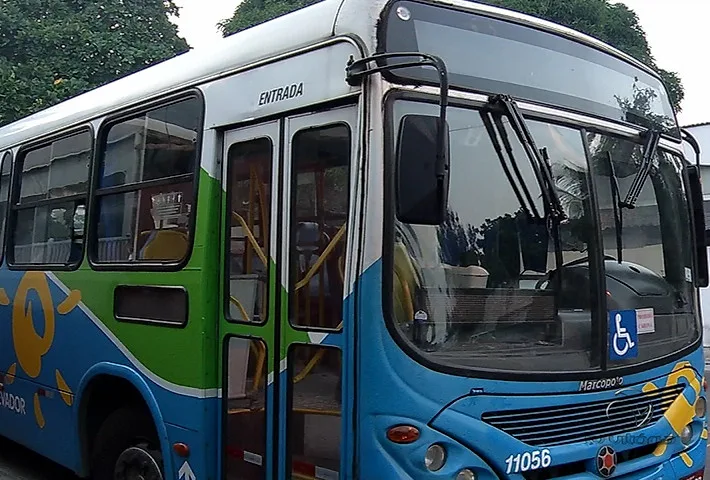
621	336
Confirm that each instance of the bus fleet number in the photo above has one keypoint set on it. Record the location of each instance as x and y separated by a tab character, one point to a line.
522	462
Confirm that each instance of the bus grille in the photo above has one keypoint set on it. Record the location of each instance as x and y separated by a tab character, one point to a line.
550	426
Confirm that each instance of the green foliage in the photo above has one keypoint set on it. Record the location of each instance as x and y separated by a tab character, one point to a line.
54	49
253	12
614	24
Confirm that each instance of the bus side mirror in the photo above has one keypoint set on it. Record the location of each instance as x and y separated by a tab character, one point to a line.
696	201
422	170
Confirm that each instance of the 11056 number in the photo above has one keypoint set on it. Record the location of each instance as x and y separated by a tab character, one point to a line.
522	462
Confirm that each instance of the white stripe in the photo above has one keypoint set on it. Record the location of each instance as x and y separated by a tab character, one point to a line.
283	365
374	187
326	474
317	337
209	153
252	458
171	387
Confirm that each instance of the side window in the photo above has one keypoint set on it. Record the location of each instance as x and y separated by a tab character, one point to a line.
319	212
249	204
48	216
145	187
5	176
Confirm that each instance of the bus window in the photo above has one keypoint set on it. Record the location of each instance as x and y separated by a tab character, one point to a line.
246	415
249	201
145	192
5	174
53	182
319	211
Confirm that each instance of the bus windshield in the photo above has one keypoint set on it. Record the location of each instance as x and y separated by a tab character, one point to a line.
491	55
493	288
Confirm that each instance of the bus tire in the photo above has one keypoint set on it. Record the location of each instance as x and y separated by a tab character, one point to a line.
126	447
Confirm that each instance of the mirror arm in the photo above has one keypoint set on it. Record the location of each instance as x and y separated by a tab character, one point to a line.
357	70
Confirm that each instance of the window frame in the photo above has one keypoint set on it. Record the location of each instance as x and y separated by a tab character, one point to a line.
127	288
15	206
290	232
6	156
96	193
389	142
273	190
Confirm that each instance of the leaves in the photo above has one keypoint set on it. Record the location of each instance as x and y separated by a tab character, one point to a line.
51	50
253	12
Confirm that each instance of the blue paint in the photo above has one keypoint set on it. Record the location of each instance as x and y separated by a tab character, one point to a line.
77	346
382	387
395	389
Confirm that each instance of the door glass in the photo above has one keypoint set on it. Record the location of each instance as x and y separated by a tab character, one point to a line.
319	211
246	409
249	174
314	416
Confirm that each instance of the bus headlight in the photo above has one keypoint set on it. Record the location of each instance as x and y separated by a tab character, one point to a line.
700	407
466	474
435	458
686	435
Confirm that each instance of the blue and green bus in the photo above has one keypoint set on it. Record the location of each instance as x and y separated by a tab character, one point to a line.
366	240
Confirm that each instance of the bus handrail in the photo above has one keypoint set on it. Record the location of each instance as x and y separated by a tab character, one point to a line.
241	308
321	258
252	239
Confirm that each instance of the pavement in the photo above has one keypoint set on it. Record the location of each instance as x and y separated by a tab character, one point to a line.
18	463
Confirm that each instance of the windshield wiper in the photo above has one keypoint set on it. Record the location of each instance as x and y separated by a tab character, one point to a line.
649	152
519	188
616	204
539	160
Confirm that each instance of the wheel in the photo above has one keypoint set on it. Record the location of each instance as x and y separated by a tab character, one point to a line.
127	448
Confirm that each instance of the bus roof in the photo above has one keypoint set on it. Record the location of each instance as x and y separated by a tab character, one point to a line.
249	47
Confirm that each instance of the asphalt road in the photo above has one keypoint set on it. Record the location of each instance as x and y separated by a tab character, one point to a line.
17	463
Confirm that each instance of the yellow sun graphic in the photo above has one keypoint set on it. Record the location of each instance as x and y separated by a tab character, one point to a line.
30	346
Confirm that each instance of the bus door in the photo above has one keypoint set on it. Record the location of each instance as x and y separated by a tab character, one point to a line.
287	211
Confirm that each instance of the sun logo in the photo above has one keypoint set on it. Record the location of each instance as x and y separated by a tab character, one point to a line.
30	346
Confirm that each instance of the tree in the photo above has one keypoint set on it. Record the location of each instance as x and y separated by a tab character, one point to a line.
54	49
614	24
253	12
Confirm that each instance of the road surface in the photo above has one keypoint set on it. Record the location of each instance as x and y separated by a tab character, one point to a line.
16	463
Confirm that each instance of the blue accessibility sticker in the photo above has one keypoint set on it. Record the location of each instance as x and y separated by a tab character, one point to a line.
623	335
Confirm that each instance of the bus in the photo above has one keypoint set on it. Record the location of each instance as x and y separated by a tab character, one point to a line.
285	255
701	133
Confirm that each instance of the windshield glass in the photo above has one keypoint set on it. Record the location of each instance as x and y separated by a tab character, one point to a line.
491	289
474	291
653	277
492	55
